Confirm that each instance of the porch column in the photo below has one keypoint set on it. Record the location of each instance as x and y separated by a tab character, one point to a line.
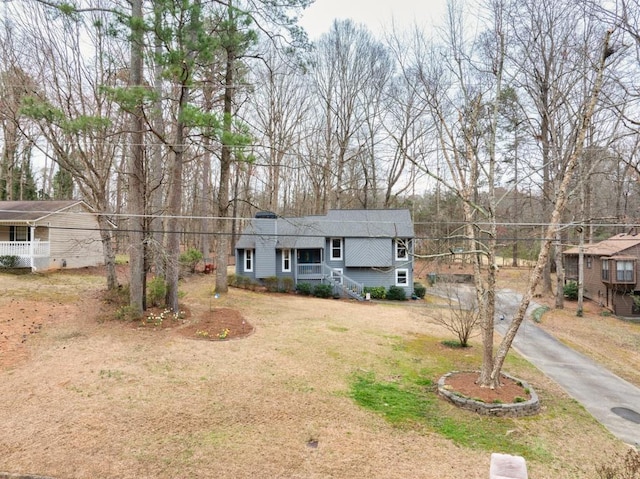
32	251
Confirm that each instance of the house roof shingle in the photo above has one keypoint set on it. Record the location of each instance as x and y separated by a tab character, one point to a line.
12	211
609	247
311	231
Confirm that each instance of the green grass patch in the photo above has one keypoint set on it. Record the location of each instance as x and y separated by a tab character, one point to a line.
338	329
410	400
398	404
407	403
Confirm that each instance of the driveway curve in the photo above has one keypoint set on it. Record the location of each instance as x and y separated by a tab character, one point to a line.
614	402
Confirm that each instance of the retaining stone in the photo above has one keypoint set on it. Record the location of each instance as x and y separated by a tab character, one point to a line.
529	407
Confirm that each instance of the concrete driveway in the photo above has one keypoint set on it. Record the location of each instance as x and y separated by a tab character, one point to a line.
610	399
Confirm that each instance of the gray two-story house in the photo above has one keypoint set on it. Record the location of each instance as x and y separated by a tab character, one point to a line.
349	249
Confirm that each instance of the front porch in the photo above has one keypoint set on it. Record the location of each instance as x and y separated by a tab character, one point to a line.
25	251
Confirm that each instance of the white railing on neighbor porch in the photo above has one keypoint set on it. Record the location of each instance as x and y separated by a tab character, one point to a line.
24	248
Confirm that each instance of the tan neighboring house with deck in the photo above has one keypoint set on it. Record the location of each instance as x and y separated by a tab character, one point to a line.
610	272
45	235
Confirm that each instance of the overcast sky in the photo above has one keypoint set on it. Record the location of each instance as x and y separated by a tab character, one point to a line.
375	14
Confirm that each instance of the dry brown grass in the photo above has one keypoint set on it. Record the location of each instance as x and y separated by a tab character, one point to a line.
97	399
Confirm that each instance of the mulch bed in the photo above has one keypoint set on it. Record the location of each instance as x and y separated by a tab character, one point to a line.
465	384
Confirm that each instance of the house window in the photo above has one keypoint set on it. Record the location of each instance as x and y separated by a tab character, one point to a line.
286	260
624	271
336	249
248	260
336	275
402	277
589	261
18	233
401	249
605	270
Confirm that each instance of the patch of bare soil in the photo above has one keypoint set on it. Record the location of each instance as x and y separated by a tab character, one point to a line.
219	324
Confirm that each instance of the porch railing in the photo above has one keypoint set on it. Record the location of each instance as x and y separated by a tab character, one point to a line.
341	281
310	271
323	272
25	248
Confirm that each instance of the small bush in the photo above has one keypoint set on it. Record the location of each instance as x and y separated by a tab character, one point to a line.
271	283
419	290
156	291
191	258
127	313
9	261
239	281
396	293
287	284
570	290
376	292
304	289
323	291
117	296
232	279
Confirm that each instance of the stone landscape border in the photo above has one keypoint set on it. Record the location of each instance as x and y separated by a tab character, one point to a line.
529	407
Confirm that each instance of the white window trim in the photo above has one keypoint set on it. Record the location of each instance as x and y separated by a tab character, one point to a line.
286	255
331	256
406	272
401	244
248	258
339	278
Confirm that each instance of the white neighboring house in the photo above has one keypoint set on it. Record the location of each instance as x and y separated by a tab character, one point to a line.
45	235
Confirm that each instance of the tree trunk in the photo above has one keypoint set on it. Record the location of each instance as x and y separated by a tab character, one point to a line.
561	201
222	228
109	255
137	179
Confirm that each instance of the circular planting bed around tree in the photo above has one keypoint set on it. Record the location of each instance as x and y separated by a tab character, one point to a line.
514	397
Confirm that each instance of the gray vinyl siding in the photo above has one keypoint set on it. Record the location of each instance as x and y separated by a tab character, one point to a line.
264	260
383	277
368	252
265	253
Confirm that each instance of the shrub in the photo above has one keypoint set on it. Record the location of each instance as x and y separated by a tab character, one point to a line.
127	313
376	292
156	291
244	282
9	261
396	293
570	290
191	258
304	289
323	291
419	290
287	284
271	283
239	281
